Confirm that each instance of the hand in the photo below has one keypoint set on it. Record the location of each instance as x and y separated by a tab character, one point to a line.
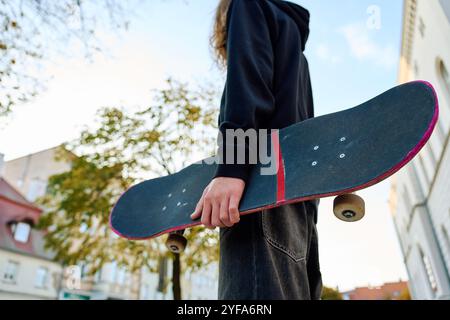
219	204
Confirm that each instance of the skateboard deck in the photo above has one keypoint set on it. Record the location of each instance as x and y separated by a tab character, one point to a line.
330	155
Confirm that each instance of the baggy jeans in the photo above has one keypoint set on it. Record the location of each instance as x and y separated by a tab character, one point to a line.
272	255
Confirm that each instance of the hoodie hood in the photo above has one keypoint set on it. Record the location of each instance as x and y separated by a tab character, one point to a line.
299	14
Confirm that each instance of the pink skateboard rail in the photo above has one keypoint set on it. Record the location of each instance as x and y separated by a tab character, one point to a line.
281	176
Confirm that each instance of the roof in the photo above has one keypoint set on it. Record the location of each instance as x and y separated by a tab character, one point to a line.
34	153
54	149
33	248
7	192
15	208
387	290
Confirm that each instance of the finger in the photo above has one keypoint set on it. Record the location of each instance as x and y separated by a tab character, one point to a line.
198	209
206	213
215	216
233	209
224	214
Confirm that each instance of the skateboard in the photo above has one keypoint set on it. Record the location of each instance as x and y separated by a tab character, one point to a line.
332	155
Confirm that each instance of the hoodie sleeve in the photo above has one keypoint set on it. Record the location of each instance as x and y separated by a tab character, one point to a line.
247	98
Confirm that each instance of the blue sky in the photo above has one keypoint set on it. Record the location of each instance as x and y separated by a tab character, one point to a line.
341	77
349	64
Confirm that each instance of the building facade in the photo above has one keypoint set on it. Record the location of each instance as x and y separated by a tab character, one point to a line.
419	198
27	270
30	175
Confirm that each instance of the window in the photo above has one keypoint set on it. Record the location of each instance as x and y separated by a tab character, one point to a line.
145	292
444	82
407	200
424	170
444	76
446	238
36	189
84	270
416	68
41	277
11	271
121	275
21	231
440	132
422	27
430	152
98	276
113	272
443	73
429	270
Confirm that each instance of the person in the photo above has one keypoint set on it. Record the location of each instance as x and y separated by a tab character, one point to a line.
274	254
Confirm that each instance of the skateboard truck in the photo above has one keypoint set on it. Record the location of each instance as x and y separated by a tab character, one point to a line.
176	242
349	207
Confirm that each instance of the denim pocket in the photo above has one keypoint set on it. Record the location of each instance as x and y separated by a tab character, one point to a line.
286	228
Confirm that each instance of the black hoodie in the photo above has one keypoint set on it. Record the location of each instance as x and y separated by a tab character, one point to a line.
267	84
299	14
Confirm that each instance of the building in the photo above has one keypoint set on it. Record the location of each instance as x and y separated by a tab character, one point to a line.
30	175
388	291
27	270
419	197
201	285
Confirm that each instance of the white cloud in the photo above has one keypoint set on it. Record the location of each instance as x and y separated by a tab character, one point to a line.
364	48
324	53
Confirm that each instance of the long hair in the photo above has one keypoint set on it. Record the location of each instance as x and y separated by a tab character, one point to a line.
218	38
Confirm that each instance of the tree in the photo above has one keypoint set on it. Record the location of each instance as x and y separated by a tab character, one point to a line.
405	295
30	31
124	149
331	294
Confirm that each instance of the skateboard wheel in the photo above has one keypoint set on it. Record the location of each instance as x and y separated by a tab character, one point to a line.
176	243
349	207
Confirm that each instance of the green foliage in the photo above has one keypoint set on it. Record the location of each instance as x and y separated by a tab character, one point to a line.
331	294
123	149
